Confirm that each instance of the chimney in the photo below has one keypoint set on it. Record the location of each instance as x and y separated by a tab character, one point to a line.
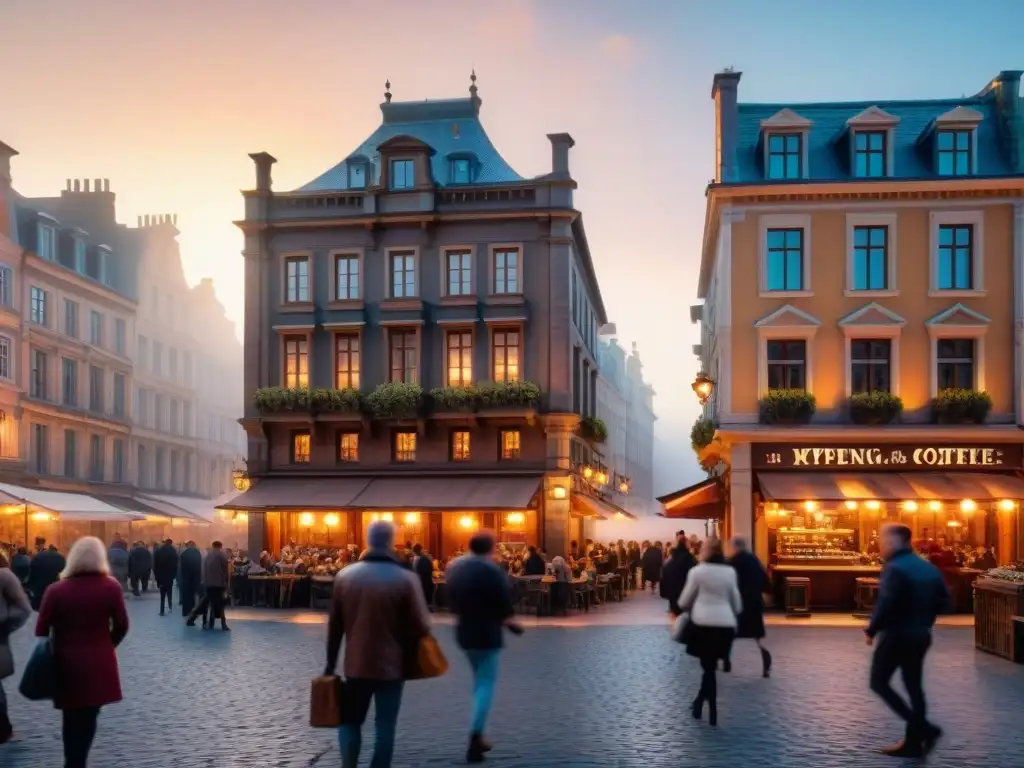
77	185
263	162
1010	108
561	143
67	185
724	90
97	185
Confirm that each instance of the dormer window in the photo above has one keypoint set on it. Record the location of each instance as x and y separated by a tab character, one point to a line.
461	171
403	175
784	138
357	175
81	250
870	141
46	246
956	137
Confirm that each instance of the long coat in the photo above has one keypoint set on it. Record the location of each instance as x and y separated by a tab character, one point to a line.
652	562
140	562
673	575
165	565
44	570
118	558
191	578
87	617
14	612
753	583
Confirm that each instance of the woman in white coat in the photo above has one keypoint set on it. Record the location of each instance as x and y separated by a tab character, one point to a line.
711	596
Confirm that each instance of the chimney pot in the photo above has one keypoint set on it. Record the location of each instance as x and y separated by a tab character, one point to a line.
138	222
67	185
106	185
97	185
85	185
147	219
77	183
561	143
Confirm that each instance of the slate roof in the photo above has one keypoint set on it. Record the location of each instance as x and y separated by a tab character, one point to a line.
450	127
827	157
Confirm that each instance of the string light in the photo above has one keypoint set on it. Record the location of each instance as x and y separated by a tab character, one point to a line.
910	506
967	506
1007	505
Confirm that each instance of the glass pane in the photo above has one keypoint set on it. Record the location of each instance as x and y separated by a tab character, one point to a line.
795	376
858	350
877	276
962	164
945	164
861	236
776	238
965	375
878	235
792	144
963	140
794	281
858	377
962	235
775	377
776	167
945	277
793	238
775	350
860	269
876	168
945	140
792	166
776	272
861	140
876	141
775	143
795	350
860	165
963	268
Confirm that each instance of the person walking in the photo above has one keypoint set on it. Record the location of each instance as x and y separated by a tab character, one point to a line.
120	562
378	608
652	562
673	575
753	583
84	615
15	610
216	577
165	569
479	595
712	598
191	577
912	593
43	571
423	566
140	564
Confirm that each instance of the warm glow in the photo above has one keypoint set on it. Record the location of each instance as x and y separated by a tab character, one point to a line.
412	518
516	518
242	518
41	516
330	520
467	522
619	516
953	523
1007	505
306	519
558	492
873	505
818	516
588	472
910	506
810	506
850	504
623	487
968	506
935	506
602	478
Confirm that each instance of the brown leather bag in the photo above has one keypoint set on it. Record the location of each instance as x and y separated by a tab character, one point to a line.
325	702
427	660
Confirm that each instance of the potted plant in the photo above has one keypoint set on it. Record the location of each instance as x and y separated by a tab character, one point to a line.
593	430
787	406
276	399
508	394
961	406
395	400
875	408
454	399
701	434
336	400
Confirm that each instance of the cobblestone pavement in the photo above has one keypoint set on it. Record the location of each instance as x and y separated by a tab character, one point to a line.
569	696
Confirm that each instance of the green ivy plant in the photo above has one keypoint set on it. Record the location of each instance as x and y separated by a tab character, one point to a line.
395	400
455	399
593	430
326	400
875	408
702	433
787	406
276	399
961	406
508	394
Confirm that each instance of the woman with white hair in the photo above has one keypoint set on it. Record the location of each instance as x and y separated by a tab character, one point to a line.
84	615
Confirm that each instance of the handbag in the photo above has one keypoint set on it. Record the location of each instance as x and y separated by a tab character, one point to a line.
325	702
679	627
39	680
427	660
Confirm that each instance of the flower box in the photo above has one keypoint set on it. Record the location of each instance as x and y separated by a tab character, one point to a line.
279	399
593	430
875	408
961	406
787	406
395	400
454	399
508	394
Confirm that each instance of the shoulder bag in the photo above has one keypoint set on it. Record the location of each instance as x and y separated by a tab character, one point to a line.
39	680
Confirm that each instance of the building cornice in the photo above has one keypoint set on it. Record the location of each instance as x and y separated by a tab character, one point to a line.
405	219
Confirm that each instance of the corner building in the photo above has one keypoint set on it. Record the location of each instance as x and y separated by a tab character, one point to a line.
422	257
854	248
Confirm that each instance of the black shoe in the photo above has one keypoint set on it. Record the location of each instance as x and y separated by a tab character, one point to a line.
766	663
726	665
190	622
932	735
697	708
904	749
476	751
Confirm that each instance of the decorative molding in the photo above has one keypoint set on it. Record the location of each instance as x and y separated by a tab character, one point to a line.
786	118
947	318
771	320
868	316
960	116
873	117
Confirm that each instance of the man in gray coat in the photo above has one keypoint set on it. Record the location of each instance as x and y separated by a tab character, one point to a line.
216	577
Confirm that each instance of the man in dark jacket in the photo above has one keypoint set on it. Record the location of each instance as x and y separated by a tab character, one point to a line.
479	594
753	583
21	564
423	566
673	575
191	578
43	571
911	595
165	569
140	564
216	577
533	565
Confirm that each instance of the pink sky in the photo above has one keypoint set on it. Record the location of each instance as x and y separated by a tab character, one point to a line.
166	100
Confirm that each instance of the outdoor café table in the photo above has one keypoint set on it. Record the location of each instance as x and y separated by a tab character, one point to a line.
265	586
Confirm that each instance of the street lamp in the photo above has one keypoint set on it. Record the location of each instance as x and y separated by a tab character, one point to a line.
703	386
241	480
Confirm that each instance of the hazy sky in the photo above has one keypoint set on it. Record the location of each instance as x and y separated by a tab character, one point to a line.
167	99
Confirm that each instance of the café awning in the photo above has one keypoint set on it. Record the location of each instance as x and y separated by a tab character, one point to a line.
842	486
70	505
589	506
448	493
163	505
277	493
701	501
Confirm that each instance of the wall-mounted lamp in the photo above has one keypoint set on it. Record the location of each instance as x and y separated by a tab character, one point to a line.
703	387
241	480
558	492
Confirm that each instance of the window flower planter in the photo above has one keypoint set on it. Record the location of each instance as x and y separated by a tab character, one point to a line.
508	394
280	399
701	434
873	408
787	406
454	399
961	406
395	400
593	430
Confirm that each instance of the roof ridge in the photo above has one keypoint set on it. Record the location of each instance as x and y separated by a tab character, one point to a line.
796	106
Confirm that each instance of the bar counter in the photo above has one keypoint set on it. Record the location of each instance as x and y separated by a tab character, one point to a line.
833	587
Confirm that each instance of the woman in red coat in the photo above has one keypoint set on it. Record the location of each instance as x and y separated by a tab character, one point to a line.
85	615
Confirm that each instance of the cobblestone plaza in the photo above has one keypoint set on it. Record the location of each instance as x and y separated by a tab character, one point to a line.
599	692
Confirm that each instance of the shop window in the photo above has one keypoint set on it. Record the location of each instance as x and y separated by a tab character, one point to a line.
787	364
300	447
348	446
460	445
870	363
405	446
955	363
510	444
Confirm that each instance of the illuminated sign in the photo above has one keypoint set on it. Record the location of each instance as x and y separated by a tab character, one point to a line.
892	456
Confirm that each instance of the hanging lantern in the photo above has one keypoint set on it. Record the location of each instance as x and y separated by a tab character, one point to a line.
241	480
703	386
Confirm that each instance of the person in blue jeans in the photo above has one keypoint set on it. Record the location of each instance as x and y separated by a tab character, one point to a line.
378	606
479	595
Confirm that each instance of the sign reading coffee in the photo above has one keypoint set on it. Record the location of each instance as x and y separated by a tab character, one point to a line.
895	457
